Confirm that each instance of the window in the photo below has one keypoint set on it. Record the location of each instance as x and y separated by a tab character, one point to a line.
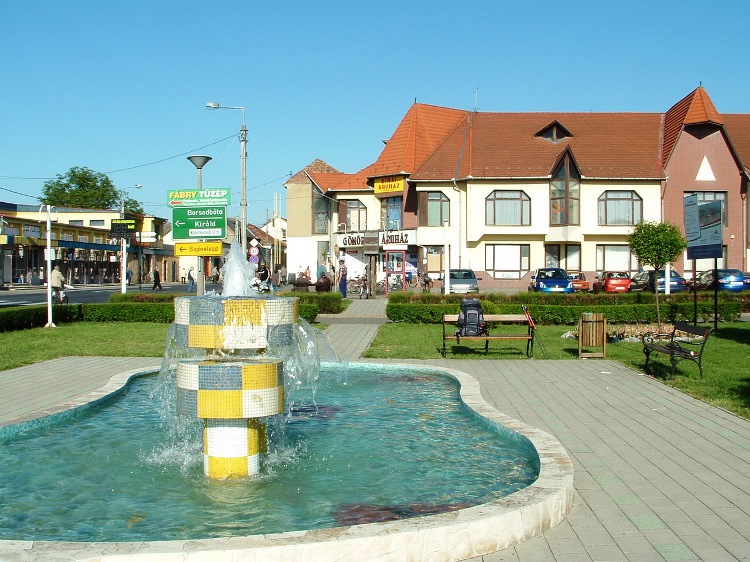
709	196
506	261
438	208
320	215
554	133
618	208
565	194
76	222
507	208
615	257
356	216
96	222
392	207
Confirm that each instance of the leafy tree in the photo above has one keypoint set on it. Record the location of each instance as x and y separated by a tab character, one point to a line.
656	244
85	189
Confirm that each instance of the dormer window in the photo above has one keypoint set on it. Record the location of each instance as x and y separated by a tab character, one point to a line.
554	132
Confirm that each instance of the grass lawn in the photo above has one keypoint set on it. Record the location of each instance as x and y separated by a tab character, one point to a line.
726	360
112	339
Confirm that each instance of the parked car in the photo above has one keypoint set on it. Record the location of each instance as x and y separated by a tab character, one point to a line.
463	281
644	281
612	282
579	281
551	280
729	280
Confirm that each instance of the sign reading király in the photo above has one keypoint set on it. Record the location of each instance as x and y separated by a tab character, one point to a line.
386	238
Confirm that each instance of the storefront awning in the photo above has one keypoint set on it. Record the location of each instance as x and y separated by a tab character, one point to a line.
87	245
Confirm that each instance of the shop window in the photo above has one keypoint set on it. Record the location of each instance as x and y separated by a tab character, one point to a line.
620	208
616	257
506	261
710	196
356	216
565	194
507	208
438	208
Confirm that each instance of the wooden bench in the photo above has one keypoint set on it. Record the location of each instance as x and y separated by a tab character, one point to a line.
525	318
686	341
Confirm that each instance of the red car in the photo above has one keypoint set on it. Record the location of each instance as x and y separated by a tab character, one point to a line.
579	281
612	282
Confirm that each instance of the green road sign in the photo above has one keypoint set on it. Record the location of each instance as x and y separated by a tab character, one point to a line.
194	223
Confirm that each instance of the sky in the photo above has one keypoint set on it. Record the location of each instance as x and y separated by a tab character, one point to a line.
120	87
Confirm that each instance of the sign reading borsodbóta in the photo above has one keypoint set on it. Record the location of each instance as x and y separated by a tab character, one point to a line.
193	223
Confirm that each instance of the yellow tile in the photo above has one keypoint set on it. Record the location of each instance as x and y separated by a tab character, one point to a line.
220	404
244	311
224	467
256	376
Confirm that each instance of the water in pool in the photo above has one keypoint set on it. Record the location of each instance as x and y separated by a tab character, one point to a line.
375	444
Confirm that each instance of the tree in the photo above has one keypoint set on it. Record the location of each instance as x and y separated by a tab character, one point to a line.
85	189
656	244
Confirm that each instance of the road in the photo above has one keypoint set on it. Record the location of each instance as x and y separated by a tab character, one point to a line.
27	296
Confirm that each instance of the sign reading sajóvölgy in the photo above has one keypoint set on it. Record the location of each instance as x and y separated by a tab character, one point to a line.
193	223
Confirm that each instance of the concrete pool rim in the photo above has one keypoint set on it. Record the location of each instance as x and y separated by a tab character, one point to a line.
456	535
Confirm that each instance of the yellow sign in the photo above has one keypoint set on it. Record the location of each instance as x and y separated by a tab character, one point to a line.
198	248
390	184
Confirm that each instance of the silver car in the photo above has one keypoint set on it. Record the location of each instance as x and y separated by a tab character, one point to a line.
463	281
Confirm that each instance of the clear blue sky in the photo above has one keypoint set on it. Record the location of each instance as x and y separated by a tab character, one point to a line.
120	87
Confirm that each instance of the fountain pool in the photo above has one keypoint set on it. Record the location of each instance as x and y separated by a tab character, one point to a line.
467	532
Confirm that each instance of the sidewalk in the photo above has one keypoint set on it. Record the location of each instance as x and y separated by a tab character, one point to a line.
658	475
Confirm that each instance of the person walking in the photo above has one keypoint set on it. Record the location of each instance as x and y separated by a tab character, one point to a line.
157	280
275	280
342	277
191	280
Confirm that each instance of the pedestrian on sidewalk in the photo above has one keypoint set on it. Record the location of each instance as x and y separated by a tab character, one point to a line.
191	280
342	277
157	280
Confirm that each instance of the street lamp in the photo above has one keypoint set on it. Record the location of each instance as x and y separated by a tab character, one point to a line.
243	171
199	161
123	240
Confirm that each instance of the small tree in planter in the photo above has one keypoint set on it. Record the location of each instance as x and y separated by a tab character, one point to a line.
655	244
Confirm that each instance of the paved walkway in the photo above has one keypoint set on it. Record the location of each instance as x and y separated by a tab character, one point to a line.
658	475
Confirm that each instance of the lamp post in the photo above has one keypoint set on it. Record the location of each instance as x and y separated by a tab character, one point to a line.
243	171
199	161
49	323
123	240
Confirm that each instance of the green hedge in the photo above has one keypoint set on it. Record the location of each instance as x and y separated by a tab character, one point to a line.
26	317
327	303
420	313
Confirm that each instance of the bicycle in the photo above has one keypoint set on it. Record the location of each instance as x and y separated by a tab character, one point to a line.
354	286
423	280
59	296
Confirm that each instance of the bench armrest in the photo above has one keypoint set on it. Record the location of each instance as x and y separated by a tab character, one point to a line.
652	337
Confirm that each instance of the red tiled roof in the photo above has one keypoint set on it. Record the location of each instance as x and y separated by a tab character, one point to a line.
420	132
693	109
737	127
502	145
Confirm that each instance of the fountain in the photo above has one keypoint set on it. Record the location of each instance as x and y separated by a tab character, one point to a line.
238	360
238	381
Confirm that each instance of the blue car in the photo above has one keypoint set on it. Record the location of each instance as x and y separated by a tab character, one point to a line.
644	281
729	280
551	280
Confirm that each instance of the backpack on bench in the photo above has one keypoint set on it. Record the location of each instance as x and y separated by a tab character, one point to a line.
471	319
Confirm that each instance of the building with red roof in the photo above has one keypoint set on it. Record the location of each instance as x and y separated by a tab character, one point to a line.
511	192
